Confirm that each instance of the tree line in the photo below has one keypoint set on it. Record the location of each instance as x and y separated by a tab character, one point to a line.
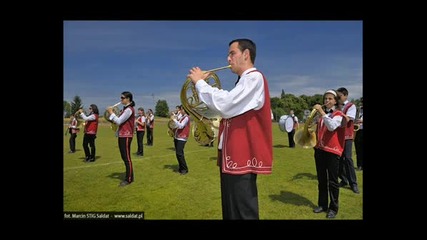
279	105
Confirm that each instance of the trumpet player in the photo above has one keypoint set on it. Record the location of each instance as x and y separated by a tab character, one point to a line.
90	130
330	133
181	133
346	168
140	131
126	123
73	130
150	127
245	131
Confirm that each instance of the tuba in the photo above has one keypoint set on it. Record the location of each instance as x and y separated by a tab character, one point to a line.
116	111
306	137
206	121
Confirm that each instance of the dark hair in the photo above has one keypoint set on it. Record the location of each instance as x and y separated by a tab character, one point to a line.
94	109
130	96
343	91
244	44
179	107
141	109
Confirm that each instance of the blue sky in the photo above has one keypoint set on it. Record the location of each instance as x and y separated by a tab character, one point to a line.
151	59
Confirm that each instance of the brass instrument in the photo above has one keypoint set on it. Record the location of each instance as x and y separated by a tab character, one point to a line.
206	122
356	126
171	128
306	137
116	111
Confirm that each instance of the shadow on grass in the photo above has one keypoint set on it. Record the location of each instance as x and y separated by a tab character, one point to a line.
305	175
213	158
171	148
292	198
117	175
173	167
280	146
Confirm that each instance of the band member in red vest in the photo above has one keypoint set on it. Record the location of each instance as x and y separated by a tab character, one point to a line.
126	123
245	146
347	171
182	131
150	127
73	129
140	131
91	128
330	134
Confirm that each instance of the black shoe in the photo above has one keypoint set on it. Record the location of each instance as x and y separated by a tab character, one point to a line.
359	168
331	214
343	184
91	160
71	151
124	183
319	210
355	189
87	159
183	172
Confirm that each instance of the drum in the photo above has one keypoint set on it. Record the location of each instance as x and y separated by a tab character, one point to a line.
289	124
282	124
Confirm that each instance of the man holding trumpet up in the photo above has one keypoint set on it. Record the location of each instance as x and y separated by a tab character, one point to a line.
126	123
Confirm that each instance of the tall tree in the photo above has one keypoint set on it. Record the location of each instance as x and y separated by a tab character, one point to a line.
76	104
162	108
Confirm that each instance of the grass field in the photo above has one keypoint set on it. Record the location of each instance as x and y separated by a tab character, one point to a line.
289	193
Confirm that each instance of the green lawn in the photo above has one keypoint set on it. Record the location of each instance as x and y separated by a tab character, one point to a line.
290	192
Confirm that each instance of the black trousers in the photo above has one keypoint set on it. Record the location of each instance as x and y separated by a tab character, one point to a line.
89	140
291	138
358	145
124	147
139	138
327	165
179	150
149	136
239	195
346	166
73	142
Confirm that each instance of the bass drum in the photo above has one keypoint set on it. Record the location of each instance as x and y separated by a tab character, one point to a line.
289	124
282	123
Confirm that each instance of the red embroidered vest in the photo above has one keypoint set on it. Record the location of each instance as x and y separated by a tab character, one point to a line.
247	140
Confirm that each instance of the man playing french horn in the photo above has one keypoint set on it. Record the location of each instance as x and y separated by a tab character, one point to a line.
245	146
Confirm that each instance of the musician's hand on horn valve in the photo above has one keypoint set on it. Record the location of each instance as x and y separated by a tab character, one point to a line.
197	74
319	108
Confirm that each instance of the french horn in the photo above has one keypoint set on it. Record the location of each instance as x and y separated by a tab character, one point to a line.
171	128
306	137
206	121
116	111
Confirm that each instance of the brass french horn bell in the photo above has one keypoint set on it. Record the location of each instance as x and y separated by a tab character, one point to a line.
116	111
306	137
206	122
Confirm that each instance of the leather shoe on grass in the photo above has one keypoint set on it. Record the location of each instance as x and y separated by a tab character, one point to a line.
355	189
331	214
319	210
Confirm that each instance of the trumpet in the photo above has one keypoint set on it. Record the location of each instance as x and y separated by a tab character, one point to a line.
107	116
